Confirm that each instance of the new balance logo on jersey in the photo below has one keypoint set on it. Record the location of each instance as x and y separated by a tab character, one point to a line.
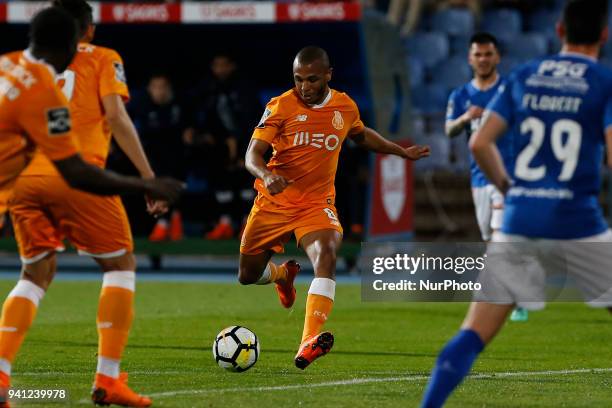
301	118
318	140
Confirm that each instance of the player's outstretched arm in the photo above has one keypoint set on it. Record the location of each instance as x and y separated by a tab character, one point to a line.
256	165
486	153
86	177
373	141
125	134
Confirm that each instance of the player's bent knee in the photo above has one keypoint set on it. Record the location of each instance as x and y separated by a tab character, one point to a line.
41	273
246	275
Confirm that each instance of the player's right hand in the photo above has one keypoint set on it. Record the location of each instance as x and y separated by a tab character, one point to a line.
474	112
165	188
276	184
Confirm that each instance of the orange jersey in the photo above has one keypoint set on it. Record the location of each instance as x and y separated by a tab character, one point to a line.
94	73
33	112
306	142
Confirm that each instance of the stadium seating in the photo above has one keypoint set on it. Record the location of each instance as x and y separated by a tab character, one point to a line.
526	46
437	61
452	72
416	71
429	99
430	48
454	22
504	23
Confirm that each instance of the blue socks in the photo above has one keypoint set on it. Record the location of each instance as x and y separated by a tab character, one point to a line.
453	364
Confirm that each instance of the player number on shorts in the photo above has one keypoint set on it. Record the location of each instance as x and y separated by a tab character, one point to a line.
69	78
567	152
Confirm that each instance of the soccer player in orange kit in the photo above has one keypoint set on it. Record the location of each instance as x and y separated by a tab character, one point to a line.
34	112
305	127
44	208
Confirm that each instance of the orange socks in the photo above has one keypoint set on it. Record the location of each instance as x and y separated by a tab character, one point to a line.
272	273
18	314
115	315
318	305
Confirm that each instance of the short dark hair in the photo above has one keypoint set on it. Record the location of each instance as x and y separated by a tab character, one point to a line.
584	20
312	53
53	29
484	38
80	10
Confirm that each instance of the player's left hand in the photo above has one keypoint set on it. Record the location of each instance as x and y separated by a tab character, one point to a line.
156	207
416	152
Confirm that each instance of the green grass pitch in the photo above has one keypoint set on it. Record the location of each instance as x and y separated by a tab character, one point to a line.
382	354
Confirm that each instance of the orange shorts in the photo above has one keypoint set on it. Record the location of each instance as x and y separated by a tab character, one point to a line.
270	226
44	210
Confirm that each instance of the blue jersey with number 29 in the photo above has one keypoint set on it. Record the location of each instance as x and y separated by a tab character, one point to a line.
557	109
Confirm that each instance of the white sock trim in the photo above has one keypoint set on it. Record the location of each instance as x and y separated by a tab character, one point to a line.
265	276
108	366
324	287
120	279
28	290
5	366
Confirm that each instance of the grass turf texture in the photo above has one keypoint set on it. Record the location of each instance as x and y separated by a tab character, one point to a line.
170	350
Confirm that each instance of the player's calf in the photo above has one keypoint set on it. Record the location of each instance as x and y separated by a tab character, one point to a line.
252	267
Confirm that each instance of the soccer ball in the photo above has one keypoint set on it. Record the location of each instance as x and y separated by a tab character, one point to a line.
236	348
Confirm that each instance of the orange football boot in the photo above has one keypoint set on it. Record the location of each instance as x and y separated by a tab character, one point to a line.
313	348
108	390
176	226
286	291
223	230
160	231
5	386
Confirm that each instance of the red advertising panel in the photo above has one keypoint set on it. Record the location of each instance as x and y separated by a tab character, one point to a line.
306	12
140	13
390	215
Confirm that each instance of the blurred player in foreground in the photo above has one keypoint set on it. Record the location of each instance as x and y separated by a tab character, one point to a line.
464	113
305	127
559	110
33	111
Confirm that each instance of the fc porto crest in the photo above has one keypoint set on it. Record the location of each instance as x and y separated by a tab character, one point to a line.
338	121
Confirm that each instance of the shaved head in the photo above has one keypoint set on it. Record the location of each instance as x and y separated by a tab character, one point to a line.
311	55
311	74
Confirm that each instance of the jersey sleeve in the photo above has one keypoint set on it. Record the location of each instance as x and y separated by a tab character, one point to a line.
357	126
46	119
453	106
270	123
502	102
112	76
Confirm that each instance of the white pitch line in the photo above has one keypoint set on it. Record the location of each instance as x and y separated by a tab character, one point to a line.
358	381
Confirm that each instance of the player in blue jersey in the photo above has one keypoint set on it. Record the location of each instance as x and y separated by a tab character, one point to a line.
559	110
466	105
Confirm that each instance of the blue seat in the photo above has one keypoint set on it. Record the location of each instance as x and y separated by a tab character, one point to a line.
543	21
554	44
430	48
453	21
429	99
507	65
416	71
452	73
459	45
527	46
503	23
